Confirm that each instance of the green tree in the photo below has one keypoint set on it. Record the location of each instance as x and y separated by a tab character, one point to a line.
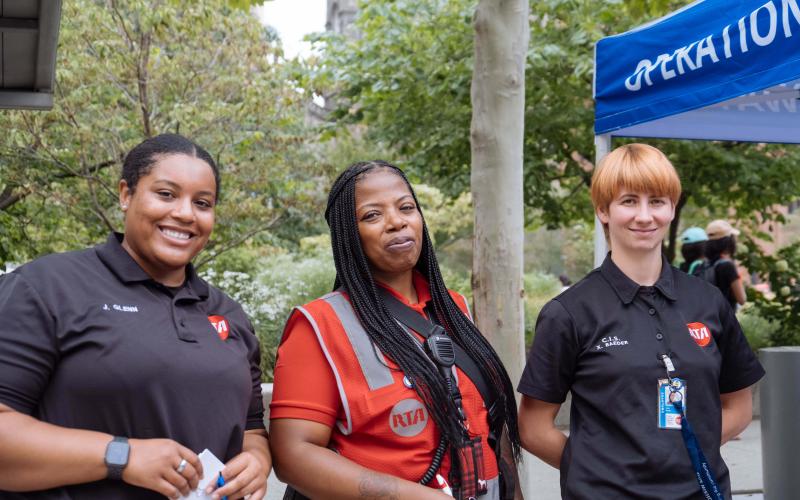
408	78
130	70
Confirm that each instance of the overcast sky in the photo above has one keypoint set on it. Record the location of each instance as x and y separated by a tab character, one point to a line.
293	19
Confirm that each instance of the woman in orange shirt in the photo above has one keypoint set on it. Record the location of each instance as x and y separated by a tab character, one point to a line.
363	405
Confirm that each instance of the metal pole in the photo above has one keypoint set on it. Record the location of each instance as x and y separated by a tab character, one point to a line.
602	146
780	422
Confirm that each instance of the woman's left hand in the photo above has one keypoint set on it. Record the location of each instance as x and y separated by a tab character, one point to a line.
245	474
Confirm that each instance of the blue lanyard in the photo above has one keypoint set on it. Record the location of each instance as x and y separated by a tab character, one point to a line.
705	477
702	470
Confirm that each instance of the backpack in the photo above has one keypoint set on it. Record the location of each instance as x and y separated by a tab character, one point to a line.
707	271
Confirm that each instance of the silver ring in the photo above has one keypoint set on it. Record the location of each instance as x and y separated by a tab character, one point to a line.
181	466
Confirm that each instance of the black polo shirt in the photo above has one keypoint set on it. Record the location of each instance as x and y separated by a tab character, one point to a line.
600	339
89	341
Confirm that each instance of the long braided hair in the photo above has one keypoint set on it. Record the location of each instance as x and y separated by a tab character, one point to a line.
354	276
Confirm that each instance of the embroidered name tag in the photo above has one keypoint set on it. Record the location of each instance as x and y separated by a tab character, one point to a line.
610	341
117	307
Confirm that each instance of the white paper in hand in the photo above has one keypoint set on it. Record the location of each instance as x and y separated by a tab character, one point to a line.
211	468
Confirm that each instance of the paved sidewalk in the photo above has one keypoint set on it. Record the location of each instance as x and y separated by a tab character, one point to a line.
743	457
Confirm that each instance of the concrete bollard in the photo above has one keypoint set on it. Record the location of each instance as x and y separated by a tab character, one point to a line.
780	422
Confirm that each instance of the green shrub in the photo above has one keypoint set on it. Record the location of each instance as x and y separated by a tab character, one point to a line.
540	288
757	329
280	282
460	281
782	305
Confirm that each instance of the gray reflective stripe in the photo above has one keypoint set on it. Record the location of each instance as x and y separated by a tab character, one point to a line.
374	368
493	486
466	303
347	428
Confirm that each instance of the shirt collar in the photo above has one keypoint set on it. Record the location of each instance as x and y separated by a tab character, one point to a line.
120	262
626	288
420	285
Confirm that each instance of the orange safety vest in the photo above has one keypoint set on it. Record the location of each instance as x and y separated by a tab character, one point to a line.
385	426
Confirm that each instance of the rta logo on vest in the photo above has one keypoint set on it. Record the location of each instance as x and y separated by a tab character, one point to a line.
408	418
700	333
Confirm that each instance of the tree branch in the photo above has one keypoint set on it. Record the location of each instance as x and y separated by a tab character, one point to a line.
115	10
235	243
8	197
98	209
141	74
673	227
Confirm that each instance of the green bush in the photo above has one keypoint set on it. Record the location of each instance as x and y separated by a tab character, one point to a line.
758	330
280	282
460	281
540	288
781	306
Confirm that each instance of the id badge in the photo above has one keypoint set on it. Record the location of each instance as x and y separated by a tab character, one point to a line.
668	416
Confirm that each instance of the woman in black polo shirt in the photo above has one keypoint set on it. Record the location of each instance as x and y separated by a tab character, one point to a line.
118	364
627	340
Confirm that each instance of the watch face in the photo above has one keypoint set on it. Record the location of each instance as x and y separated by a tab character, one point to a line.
117	453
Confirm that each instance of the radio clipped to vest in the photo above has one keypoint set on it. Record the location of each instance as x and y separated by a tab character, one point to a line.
446	353
472	482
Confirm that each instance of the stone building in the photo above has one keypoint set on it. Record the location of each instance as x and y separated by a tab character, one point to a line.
340	18
341	15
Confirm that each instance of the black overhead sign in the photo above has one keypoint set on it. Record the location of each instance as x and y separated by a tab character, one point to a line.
28	40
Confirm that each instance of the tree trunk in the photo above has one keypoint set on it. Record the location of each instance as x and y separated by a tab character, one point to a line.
498	111
673	228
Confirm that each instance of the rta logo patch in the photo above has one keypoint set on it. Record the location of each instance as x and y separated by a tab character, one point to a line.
408	418
700	333
220	324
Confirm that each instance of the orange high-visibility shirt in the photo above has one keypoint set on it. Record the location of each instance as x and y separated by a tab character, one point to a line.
376	420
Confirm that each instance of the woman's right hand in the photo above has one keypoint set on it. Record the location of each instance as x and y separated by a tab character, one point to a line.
538	432
153	464
301	458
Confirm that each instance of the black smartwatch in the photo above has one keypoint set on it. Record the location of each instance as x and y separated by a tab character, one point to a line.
117	453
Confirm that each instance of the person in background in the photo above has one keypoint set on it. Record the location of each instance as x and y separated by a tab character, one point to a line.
635	342
118	364
366	407
693	246
720	252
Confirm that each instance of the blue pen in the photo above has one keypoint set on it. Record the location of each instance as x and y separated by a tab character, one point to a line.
221	483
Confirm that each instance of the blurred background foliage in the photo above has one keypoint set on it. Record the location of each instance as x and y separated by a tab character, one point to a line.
399	91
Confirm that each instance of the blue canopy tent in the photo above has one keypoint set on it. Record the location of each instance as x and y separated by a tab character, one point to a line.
714	70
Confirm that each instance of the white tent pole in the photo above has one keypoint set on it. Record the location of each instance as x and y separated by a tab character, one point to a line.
602	146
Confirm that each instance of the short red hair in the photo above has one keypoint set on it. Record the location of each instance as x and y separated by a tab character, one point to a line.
636	167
